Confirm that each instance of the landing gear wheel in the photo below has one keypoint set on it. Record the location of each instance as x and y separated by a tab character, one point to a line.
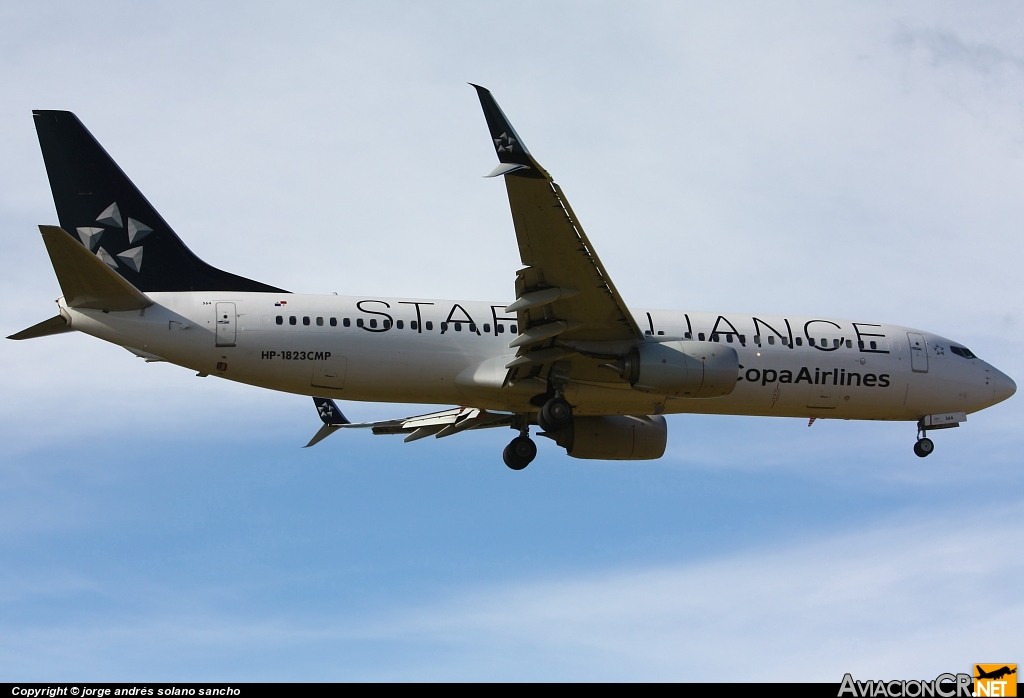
923	447
520	453
554	415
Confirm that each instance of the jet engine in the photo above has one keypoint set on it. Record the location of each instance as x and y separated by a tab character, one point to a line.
680	369
614	438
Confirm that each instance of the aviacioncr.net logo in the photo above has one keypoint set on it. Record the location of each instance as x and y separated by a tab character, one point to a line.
942	686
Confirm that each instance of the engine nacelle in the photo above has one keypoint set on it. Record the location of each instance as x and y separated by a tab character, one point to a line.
614	438
681	369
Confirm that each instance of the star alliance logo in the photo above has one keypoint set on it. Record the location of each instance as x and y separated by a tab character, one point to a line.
325	411
504	143
111	217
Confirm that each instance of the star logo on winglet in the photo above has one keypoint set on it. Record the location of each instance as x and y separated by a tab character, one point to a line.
504	143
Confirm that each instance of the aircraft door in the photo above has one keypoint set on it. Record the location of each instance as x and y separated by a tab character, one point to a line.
225	324
918	352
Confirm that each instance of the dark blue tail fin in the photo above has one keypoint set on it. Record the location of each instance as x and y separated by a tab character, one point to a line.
100	207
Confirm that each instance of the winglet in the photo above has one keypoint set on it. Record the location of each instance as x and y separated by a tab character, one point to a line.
331	417
509	147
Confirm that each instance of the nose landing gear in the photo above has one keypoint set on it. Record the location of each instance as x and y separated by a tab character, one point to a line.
923	447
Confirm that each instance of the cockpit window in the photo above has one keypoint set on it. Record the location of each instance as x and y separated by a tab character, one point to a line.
962	351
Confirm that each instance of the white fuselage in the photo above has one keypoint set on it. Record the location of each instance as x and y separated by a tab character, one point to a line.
454	352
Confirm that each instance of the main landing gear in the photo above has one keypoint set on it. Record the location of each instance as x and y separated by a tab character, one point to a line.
520	452
554	414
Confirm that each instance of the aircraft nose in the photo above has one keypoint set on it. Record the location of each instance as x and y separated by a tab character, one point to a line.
1002	385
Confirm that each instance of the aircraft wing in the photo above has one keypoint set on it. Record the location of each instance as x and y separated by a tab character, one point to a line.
563	292
437	424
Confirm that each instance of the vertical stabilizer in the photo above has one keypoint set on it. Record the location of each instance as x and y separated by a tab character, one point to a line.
101	209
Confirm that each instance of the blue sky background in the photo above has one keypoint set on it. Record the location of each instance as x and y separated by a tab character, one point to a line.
860	161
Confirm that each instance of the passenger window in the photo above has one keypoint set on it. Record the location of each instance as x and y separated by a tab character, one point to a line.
292	320
346	322
359	322
280	320
320	322
687	335
413	325
400	324
849	344
305	320
444	327
430	326
458	327
835	343
728	338
513	329
743	339
757	339
700	336
874	344
810	341
501	329
334	322
373	322
472	327
487	328
771	340
799	342
714	336
387	324
860	344
661	331
647	332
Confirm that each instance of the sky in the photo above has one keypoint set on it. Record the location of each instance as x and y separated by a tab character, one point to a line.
860	160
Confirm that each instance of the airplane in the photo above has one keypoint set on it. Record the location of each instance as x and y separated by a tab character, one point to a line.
995	674
566	355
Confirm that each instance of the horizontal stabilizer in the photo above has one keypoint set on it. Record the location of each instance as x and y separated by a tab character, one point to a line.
331	416
55	325
438	424
87	282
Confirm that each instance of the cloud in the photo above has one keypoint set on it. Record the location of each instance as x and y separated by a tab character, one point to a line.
907	602
944	47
